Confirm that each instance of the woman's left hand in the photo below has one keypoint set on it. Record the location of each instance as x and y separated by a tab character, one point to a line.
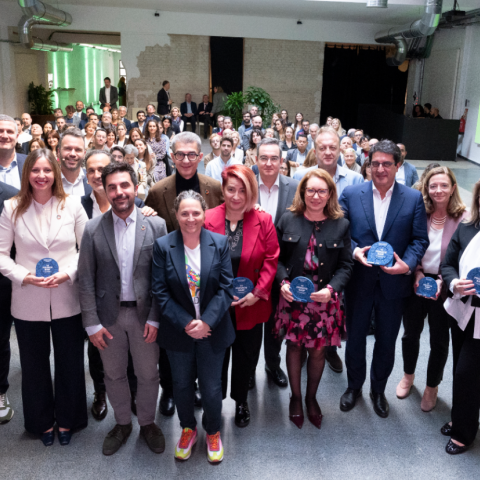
57	279
258	208
323	296
247	301
148	212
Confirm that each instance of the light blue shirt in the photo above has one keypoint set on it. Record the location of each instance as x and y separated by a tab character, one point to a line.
189	107
217	166
343	177
10	174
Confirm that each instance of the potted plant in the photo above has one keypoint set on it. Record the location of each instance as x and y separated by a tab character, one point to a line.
266	106
233	108
41	104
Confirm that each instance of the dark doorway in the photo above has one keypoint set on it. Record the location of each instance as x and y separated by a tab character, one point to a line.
355	77
226	57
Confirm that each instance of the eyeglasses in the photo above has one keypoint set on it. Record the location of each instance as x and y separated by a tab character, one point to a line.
322	192
180	156
385	165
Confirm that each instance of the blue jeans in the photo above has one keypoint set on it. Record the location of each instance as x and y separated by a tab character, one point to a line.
207	364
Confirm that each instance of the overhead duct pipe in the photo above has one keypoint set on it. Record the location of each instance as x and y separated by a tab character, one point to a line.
423	27
377	3
39	13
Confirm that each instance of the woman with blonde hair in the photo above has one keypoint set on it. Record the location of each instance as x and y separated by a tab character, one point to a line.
89	134
314	243
177	123
445	210
337	126
237	152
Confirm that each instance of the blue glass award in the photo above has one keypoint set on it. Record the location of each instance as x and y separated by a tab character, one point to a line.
474	276
302	288
242	286
427	287
380	253
46	267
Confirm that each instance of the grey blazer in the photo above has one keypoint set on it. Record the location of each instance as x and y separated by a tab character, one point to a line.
99	275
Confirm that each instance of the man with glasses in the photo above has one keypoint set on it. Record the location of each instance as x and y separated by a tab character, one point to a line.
187	154
356	139
407	173
380	210
219	129
123	117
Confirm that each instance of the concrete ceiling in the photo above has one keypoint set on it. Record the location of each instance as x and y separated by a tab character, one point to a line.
398	11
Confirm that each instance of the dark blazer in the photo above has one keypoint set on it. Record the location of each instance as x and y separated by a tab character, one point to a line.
162	100
86	185
183	108
405	230
127	123
208	109
113	97
411	175
87	203
450	267
6	192
135	125
333	249
286	192
292	154
20	162
170	291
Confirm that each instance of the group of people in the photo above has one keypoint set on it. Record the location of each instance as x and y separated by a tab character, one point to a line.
150	280
427	111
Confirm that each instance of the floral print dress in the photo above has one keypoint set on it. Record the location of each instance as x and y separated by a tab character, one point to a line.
313	324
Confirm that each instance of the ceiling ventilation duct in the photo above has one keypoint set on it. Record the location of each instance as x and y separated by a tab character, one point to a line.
39	13
377	3
423	27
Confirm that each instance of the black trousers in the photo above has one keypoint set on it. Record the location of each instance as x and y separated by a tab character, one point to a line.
190	120
64	402
245	351
271	345
207	121
165	373
95	366
5	327
466	382
415	310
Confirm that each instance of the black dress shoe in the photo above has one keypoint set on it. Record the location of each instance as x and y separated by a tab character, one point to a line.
278	376
167	404
349	398
454	449
334	361
242	414
380	404
99	406
47	438
251	381
133	403
198	398
64	437
446	430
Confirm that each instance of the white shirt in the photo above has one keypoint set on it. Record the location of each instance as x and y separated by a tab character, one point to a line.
217	166
193	267
400	176
380	208
269	198
431	259
107	94
76	188
24	137
96	212
10	175
301	157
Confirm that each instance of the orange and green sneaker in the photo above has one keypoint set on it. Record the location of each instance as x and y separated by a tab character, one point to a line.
183	449
214	448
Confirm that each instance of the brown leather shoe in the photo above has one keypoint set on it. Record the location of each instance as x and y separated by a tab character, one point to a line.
116	438
153	435
99	406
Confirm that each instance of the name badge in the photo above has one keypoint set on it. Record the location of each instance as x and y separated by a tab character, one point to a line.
242	286
46	267
380	253
302	288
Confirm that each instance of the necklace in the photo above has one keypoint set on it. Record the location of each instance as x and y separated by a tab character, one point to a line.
439	221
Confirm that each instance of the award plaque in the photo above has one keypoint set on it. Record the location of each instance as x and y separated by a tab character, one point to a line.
242	286
427	287
302	288
474	276
46	267
381	253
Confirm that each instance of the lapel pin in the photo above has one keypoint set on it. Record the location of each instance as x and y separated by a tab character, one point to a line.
206	192
143	227
58	217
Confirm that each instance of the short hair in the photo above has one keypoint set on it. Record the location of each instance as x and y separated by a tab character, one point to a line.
150	105
220	116
129	149
332	208
93	115
100	130
327	129
140	111
350	150
246	113
302	135
106	114
186	195
61	117
107	78
314	125
71	132
227	139
214	135
249	180
165	82
118	167
428	105
187	137
6	118
227	118
90	153
90	108
306	121
388	147
259	116
70	109
58	110
269	141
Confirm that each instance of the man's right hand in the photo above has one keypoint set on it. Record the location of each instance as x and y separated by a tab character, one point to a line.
98	340
170	102
359	255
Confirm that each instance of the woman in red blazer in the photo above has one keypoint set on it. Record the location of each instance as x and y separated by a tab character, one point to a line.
254	253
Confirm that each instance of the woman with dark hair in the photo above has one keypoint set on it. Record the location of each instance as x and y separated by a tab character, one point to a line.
418	112
279	127
149	161
364	153
445	210
167	128
251	154
366	171
47	128
284	116
153	138
52	141
463	305
314	243
115	117
122	137
111	138
297	126
135	134
289	140
35	144
285	168
46	224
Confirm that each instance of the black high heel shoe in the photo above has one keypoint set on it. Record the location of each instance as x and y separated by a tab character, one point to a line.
47	438
64	437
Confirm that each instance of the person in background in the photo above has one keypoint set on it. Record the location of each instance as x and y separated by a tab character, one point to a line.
139	168
195	326
285	168
289	142
122	110
53	140
100	139
314	243
275	117
89	134
297	156
108	96
363	155
350	156
176	119
122	91
140	123
284	116
188	109
280	129
167	128
219	99
246	125
427	110
35	134
115	117
60	125
436	114
345	142
35	144
153	138
329	121
237	151
337	126
151	113
122	136
305	130
255	138
298	123
215	144
366	171
163	99
86	117
107	121
71	118
47	128
45	222
254	254
79	114
111	138
204	109
269	133
419	184
407	173
217	165
118	153
418	112
149	160
445	210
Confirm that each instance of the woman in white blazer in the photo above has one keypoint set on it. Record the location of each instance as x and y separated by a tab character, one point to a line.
44	222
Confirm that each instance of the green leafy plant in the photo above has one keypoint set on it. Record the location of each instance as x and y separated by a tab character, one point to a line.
233	108
40	100
266	106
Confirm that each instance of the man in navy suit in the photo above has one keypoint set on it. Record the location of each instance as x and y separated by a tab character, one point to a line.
123	117
83	122
380	210
141	121
188	109
407	173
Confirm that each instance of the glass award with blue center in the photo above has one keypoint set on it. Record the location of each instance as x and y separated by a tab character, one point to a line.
242	286
380	253
46	267
427	287
302	288
474	276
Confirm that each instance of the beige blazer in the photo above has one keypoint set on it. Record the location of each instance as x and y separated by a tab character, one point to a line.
66	229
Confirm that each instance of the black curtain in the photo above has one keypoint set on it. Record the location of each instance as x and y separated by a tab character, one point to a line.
226	55
352	78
